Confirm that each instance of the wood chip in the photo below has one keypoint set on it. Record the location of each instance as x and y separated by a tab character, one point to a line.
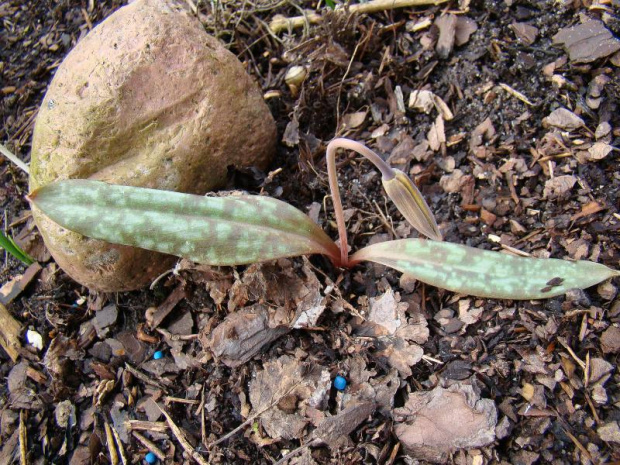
587	42
526	33
447	32
155	318
17	285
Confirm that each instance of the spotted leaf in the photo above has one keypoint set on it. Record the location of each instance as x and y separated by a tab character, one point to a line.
484	273
230	230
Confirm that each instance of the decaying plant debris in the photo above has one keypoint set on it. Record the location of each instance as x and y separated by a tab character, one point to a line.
511	135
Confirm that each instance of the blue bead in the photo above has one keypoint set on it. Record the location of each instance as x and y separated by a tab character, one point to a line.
157	355
340	383
150	457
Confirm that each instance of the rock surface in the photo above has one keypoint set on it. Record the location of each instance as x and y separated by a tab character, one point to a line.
147	99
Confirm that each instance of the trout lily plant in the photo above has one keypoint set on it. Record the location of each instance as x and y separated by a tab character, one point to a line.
238	230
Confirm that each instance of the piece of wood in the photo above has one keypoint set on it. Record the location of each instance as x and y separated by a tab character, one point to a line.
178	294
17	285
10	330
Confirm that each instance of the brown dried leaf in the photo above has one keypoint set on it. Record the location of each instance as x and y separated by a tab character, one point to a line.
558	186
485	131
610	340
308	384
563	119
598	151
399	354
354	120
465	27
609	432
435	423
333	429
452	183
243	334
388	312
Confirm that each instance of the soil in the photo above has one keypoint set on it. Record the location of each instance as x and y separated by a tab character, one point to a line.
490	189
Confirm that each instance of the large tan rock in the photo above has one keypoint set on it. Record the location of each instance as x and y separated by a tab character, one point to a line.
148	99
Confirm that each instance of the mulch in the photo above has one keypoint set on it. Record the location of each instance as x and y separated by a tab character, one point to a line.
162	370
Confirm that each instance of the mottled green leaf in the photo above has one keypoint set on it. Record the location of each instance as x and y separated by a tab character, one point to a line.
230	230
484	273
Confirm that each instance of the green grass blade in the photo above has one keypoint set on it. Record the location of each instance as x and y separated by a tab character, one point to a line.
212	230
11	247
483	273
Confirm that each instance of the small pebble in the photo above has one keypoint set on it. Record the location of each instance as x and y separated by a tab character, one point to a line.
157	355
340	383
150	457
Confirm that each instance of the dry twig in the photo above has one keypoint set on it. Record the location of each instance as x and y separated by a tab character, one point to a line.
110	443
180	435
23	439
279	24
11	156
150	445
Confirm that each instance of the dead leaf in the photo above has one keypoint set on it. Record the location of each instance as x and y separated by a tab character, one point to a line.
291	132
399	354
435	423
558	186
354	120
452	183
403	152
485	131
465	27
610	340
587	42
609	432
599	150
332	430
307	383
563	119
388	312
243	334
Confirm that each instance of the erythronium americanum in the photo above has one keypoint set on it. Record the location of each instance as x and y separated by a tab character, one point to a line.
237	230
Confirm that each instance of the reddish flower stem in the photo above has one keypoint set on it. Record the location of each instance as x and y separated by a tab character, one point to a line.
386	172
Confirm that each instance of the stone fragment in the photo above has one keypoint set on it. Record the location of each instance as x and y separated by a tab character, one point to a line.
147	99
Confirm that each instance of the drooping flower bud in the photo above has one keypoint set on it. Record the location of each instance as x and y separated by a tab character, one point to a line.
411	204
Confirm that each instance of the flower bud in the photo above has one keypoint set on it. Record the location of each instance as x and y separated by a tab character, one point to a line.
411	204
295	77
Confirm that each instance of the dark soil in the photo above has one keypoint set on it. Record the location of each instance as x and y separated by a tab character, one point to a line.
355	63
